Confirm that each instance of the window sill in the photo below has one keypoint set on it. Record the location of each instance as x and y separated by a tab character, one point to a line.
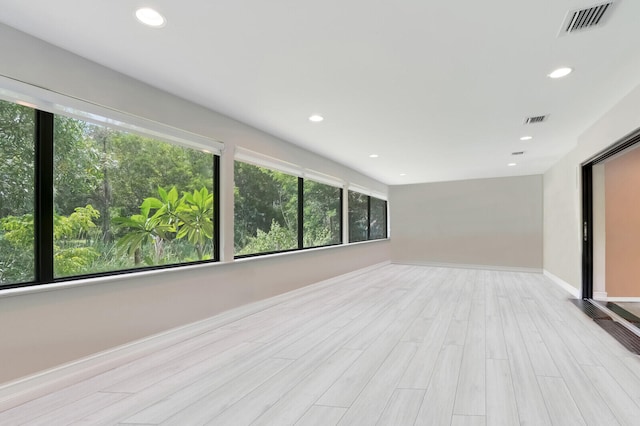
31	289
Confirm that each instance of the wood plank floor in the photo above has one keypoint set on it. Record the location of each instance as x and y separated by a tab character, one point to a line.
396	345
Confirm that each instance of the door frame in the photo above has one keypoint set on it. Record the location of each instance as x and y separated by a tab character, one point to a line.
624	143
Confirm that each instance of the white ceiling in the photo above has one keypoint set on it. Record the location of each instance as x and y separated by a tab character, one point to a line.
439	90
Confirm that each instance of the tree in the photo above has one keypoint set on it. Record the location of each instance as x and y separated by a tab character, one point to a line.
321	214
278	238
16	249
358	217
17	127
145	164
77	168
72	255
261	197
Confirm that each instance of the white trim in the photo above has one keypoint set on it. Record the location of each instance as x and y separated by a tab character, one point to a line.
620	299
365	191
599	295
379	195
470	266
323	178
48	100
30	387
577	293
357	188
41	288
261	160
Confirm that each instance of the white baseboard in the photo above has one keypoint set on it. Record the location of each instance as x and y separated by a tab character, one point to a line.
621	299
470	266
599	295
575	292
27	388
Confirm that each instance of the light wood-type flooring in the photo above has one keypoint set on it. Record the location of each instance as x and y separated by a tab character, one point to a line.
396	345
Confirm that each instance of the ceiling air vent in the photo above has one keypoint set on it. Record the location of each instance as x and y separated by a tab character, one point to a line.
518	153
587	18
536	119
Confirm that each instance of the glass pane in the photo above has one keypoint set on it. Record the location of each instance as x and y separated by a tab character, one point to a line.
125	201
265	210
378	220
17	128
321	214
358	217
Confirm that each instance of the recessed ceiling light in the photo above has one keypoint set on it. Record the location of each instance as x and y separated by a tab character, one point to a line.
560	72
316	118
526	138
403	174
374	156
511	164
150	17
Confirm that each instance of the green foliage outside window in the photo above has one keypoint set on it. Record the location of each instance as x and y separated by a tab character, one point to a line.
266	211
122	201
16	193
322	214
358	217
109	190
153	200
367	217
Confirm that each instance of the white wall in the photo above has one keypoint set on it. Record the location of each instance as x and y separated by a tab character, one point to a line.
485	222
39	330
43	329
562	197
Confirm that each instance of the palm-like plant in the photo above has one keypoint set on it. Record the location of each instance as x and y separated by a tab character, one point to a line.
142	230
195	219
190	216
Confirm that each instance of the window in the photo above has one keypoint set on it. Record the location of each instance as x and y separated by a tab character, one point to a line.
81	199
87	193
378	219
367	217
358	217
265	210
125	201
322	214
17	188
276	211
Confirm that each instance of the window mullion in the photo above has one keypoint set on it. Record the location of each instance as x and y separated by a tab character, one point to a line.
342	218
300	213
368	218
44	211
216	208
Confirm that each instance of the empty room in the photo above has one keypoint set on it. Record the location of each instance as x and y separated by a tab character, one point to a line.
338	213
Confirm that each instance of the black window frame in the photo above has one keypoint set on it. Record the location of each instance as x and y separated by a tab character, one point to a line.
44	213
